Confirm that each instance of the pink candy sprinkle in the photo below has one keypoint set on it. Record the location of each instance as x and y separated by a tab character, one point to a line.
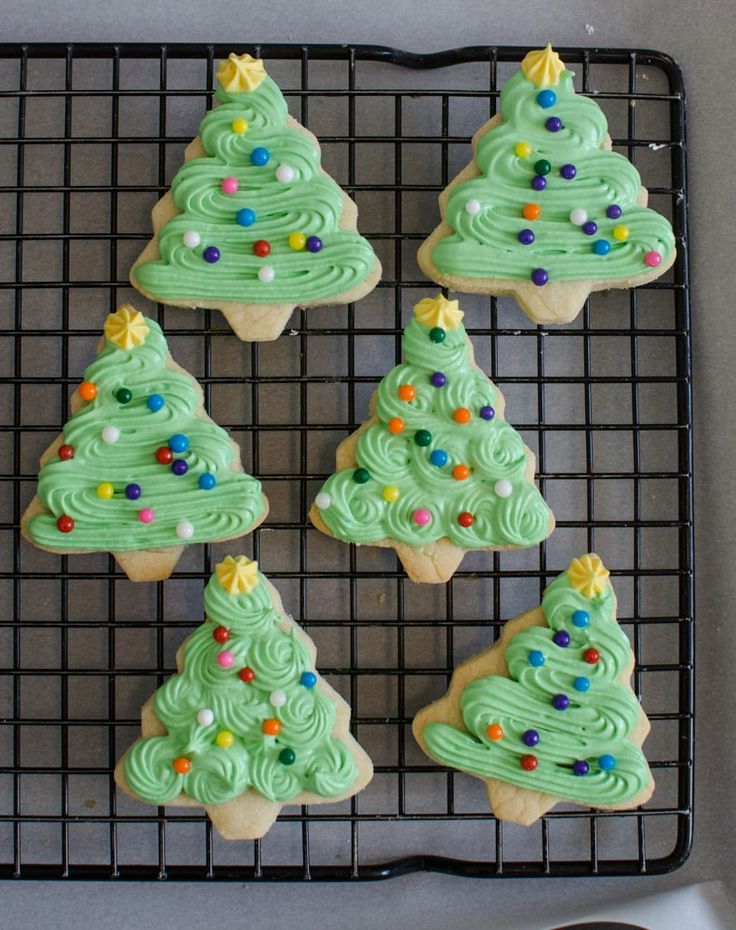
225	659
146	515
229	185
653	259
421	516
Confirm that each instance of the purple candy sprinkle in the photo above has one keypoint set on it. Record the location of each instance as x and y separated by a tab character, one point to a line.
614	211
590	228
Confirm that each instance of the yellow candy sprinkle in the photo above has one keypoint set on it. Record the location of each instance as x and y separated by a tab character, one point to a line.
225	739
239	125
391	493
105	490
621	233
523	149
297	241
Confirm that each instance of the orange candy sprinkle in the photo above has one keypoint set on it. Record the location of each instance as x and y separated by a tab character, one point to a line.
271	727
87	390
495	731
461	415
460	472
396	425
182	765
407	392
531	211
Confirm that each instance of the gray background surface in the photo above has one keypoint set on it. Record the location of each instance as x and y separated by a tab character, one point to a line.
700	37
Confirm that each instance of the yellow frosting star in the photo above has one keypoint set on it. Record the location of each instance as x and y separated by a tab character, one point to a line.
240	73
438	311
588	575
543	67
237	575
126	328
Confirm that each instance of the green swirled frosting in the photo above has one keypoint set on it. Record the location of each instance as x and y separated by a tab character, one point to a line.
485	244
491	449
278	658
311	203
69	487
596	725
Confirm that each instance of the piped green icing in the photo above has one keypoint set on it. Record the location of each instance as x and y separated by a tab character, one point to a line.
69	487
323	763
485	244
312	203
492	450
597	723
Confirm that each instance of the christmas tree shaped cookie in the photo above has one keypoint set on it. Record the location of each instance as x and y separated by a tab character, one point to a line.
252	225
246	725
436	470
140	469
546	212
547	713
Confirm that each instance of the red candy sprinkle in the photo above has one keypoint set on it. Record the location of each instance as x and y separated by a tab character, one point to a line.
529	763
164	455
465	518
591	656
221	634
66	452
262	248
65	524
246	674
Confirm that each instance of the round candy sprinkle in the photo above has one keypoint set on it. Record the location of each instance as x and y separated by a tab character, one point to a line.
538	182
590	228
536	658
591	656
297	241
601	247
277	698
229	185
553	124
178	443
164	455
581	767
239	126
523	149
308	679
487	412
582	683
437	334
246	674
621	233
614	211
391	493
105	490
110	434
181	765
422	437
205	717
461	415
465	519
221	634
438	379
529	762
287	756
225	659
133	491
322	500
472	206
531	211
494	731
530	737
560	702
581	619
66	452
146	515
65	524
262	248
184	530
266	274
561	639
546	99
542	166
87	390
540	276
361	475
439	458
607	762
179	467
271	726
225	739
503	488
314	244
245	217
653	259
123	396
260	156
395	425
285	174
191	238
525	237
421	517
407	392
460	472
155	402
578	216
211	254
568	172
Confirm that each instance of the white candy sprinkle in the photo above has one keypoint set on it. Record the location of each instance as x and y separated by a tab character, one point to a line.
285	173
277	698
323	500
205	717
191	238
266	274
184	530
110	434
503	488
472	206
578	216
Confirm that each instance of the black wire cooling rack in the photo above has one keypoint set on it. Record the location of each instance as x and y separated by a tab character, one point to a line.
90	137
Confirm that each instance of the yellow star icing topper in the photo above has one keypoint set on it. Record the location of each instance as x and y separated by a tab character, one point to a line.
438	311
237	575
543	67
240	73
588	575
126	328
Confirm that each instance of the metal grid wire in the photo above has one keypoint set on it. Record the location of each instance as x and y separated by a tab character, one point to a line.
90	137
